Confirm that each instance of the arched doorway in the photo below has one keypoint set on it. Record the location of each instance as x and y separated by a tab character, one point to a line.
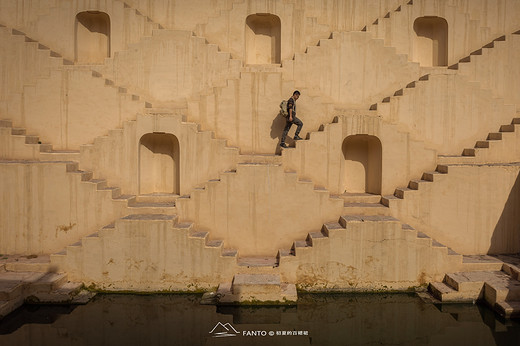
431	41
159	165
263	39
92	37
363	164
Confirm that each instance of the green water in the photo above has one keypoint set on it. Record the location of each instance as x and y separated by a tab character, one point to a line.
340	319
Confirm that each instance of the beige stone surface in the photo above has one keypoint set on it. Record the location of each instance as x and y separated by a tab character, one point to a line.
259	209
357	258
460	210
401	157
168	110
147	253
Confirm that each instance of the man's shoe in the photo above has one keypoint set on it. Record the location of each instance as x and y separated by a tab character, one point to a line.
297	138
283	145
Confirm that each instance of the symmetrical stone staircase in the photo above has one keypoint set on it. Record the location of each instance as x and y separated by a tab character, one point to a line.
328	170
163	47
394	26
330	230
151	252
91	257
422	118
339	256
363	204
233	204
39	18
320	68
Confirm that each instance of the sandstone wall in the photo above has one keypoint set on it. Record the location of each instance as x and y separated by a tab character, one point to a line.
259	209
472	208
47	208
323	158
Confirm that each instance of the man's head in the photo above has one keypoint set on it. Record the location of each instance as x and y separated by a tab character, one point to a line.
296	94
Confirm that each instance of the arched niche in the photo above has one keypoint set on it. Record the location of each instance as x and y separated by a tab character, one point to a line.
92	37
263	39
159	165
363	164
431	41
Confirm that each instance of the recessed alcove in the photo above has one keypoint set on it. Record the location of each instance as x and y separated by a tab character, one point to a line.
92	37
263	39
159	168
431	41
363	164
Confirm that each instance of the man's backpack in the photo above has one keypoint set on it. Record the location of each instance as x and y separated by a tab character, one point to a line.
283	109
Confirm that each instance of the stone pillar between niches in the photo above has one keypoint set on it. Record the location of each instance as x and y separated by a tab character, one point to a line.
92	37
159	164
263	39
363	164
431	41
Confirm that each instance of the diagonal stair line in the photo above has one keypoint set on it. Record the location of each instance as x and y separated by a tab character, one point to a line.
388	14
490	45
329	231
482	149
442	169
92	243
379	28
209	187
59	3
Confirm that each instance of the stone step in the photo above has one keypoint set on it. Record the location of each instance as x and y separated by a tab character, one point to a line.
10	290
229	252
152	208
260	159
12	284
511	270
149	217
365	209
330	228
469	282
36	288
445	293
65	293
455	159
481	262
258	261
501	288
360	198
48	282
23	263
6	123
344	219
60	155
8	306
156	198
508	309
255	289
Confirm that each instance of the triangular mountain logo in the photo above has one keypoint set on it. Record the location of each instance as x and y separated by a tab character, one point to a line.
224	330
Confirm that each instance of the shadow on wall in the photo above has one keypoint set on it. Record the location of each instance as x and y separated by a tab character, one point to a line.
277	127
431	41
363	164
159	164
506	236
92	37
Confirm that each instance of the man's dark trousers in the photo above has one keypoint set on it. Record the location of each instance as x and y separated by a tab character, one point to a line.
288	125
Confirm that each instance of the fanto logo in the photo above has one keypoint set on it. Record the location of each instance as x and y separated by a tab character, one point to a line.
224	330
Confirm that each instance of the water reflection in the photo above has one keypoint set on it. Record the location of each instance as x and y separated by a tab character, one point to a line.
396	319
